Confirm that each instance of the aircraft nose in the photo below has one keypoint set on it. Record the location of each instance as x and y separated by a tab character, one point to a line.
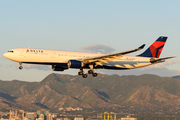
5	55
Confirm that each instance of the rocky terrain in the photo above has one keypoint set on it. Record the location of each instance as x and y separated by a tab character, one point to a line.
105	91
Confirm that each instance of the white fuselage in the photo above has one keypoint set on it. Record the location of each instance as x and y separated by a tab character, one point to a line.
50	57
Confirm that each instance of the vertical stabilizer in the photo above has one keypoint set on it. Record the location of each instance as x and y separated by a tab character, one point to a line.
155	49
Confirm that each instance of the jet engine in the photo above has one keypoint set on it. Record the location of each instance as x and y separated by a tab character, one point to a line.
75	64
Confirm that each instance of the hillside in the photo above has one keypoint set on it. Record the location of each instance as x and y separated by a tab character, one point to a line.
105	91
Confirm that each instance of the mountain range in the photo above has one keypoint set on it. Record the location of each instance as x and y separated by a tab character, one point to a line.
105	91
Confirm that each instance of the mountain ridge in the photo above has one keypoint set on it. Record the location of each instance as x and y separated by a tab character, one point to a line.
105	91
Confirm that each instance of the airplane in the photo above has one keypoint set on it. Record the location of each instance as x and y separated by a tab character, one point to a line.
62	60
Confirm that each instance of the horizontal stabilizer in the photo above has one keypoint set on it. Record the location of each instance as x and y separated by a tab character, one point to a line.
160	59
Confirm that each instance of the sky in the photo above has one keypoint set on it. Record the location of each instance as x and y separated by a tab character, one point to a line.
88	26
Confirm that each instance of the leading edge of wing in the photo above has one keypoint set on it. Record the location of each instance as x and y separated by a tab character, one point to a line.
114	54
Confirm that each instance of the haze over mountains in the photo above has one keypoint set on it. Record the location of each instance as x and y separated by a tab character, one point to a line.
105	91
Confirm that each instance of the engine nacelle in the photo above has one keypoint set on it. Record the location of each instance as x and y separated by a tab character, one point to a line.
75	64
57	68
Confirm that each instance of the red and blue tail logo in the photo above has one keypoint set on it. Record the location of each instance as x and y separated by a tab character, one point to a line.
155	49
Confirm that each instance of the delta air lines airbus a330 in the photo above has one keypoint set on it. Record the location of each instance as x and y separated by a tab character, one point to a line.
62	60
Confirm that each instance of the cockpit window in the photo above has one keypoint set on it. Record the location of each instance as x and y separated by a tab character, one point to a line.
11	51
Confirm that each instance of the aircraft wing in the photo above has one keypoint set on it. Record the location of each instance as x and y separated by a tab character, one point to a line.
110	57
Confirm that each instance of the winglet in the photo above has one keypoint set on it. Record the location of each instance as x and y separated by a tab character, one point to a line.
142	46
